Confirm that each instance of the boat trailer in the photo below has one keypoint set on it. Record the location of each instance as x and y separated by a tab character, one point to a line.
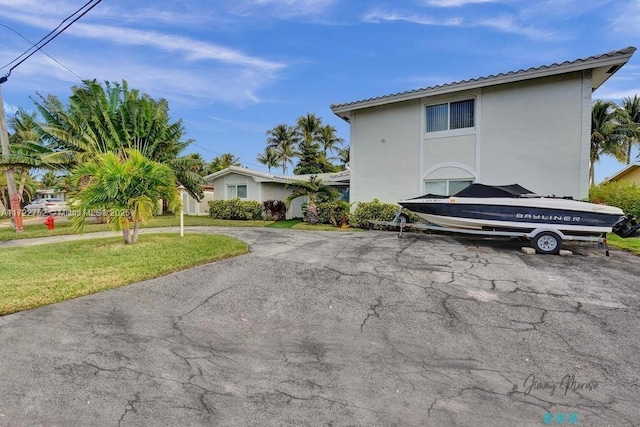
545	240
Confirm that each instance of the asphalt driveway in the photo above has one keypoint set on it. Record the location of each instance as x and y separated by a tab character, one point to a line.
339	329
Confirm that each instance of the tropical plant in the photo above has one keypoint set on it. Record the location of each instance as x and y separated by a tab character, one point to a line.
269	158
344	155
312	160
623	194
631	111
309	128
283	139
328	139
275	210
113	119
198	166
49	180
223	161
123	187
313	190
606	137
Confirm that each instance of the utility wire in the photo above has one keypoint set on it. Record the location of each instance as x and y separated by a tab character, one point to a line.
51	57
52	35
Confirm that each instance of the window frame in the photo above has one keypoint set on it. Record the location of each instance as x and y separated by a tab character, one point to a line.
448	131
235	191
447	184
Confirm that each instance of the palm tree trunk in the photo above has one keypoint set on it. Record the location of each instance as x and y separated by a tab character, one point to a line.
23	181
126	235
629	145
136	227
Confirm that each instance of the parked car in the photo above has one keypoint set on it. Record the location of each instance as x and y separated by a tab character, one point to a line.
46	207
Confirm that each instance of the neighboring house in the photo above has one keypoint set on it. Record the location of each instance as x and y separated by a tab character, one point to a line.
247	184
192	206
630	173
530	127
51	193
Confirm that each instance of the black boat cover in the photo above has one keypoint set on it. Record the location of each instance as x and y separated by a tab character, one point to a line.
484	191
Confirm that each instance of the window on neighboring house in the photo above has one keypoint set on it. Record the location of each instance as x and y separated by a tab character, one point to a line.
446	187
236	192
451	115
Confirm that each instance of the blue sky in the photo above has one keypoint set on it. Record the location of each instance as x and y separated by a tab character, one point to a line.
232	69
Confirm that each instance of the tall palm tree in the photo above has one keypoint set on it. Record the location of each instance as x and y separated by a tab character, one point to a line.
269	158
310	128
114	119
283	139
605	135
126	186
328	139
631	110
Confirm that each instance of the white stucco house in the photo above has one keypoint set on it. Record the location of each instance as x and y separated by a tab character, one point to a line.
531	127
247	184
193	206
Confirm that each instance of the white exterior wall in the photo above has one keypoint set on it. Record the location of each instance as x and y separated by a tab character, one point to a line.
274	191
385	142
192	207
220	186
533	133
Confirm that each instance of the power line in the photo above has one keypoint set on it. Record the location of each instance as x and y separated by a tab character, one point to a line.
220	154
51	36
51	57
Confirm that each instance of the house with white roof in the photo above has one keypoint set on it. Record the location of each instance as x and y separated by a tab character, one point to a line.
247	184
531	127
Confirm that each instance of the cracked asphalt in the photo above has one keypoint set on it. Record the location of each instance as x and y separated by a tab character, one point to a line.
340	329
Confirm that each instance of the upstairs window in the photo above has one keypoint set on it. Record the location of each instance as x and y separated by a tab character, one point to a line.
451	115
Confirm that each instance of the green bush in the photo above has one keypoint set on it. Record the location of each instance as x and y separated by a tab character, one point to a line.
275	210
623	194
235	209
376	211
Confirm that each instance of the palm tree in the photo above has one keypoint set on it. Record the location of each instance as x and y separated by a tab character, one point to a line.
344	155
114	119
283	139
223	161
605	136
269	158
328	139
312	189
49	180
309	127
126	187
631	110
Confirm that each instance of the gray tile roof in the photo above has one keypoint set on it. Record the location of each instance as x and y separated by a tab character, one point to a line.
567	66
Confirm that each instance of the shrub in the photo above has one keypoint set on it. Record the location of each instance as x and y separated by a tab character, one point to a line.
376	211
274	209
235	209
623	194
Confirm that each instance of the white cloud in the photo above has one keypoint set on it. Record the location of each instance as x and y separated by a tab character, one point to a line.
9	108
282	8
456	3
378	16
627	19
509	24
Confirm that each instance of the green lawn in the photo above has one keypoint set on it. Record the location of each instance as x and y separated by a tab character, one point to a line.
33	276
631	244
63	226
287	223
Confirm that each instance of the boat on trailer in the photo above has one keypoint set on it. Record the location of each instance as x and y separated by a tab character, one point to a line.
514	211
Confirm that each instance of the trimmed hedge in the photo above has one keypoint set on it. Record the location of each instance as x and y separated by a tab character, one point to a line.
235	209
623	194
376	211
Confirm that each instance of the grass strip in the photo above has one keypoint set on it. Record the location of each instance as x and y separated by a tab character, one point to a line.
34	276
64	227
630	244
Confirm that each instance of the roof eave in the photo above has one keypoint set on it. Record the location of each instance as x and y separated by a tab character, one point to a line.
619	59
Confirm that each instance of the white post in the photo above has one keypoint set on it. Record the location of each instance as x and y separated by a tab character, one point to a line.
181	188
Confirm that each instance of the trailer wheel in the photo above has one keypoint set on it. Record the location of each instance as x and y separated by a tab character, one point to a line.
548	243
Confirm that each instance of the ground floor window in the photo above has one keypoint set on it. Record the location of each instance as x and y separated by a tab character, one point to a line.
236	192
343	193
446	187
